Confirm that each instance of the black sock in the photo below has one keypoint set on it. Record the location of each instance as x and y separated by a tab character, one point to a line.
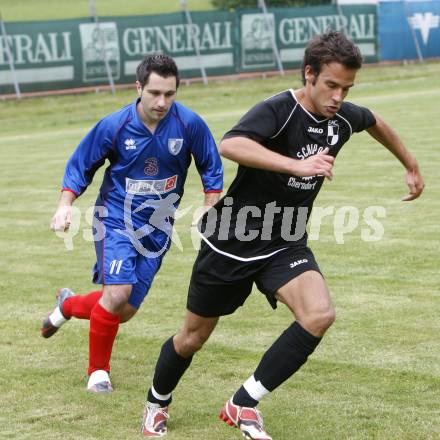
242	398
170	367
286	356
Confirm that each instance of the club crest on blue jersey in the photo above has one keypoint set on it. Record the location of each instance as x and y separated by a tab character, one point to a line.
332	133
174	146
151	166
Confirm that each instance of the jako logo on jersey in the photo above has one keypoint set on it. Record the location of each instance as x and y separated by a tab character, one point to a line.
174	146
315	130
151	166
130	144
298	262
332	132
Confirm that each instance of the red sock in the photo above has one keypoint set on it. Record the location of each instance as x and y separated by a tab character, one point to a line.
103	329
80	306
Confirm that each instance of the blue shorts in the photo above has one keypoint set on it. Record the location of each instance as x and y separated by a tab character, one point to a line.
124	260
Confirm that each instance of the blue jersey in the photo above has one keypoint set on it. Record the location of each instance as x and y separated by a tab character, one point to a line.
144	166
142	188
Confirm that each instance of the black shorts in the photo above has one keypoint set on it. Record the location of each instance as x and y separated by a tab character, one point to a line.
219	284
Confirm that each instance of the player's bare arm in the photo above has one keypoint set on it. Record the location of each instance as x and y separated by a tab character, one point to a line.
385	134
247	152
63	215
211	198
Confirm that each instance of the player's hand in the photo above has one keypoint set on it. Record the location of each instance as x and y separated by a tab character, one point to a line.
61	219
415	183
199	213
319	164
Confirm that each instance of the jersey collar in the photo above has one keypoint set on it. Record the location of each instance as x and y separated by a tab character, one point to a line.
305	110
141	123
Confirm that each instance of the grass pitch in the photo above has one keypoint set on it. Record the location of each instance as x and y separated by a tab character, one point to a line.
376	373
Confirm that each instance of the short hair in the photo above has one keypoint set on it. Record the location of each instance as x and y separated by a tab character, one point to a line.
328	48
158	63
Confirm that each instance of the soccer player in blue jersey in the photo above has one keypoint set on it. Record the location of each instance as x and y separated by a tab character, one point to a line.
149	145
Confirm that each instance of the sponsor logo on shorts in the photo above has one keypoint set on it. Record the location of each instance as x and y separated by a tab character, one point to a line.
150	187
298	262
151	167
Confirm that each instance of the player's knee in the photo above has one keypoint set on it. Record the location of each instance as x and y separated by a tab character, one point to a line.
115	298
318	322
192	342
329	317
118	299
127	313
325	318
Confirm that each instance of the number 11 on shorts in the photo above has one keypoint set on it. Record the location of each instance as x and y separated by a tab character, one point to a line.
115	266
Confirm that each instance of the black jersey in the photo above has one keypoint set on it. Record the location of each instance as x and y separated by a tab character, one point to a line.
263	211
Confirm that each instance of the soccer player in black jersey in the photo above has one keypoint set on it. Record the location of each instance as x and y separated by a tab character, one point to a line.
285	147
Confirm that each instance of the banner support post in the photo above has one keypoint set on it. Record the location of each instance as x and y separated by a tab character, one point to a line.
10	58
413	33
262	5
92	9
184	5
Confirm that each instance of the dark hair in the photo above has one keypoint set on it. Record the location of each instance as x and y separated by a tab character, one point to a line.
158	63
328	48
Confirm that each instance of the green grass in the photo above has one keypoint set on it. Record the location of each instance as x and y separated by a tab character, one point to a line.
376	374
35	10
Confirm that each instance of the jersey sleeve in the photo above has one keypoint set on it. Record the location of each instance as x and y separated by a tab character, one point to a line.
360	118
258	124
206	157
87	158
